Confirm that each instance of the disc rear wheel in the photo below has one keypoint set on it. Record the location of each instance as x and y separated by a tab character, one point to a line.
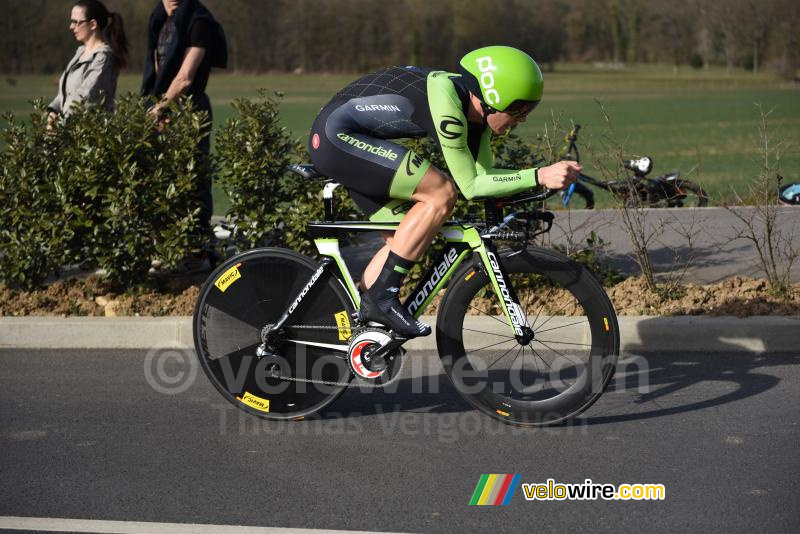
291	374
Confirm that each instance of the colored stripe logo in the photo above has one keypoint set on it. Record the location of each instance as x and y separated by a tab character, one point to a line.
495	489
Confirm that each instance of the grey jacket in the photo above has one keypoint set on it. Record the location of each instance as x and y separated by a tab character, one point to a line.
90	80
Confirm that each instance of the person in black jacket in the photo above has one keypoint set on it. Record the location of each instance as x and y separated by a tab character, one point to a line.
184	42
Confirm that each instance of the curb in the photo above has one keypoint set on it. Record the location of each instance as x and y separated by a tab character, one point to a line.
645	333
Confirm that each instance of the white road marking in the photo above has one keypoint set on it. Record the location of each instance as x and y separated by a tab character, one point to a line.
135	527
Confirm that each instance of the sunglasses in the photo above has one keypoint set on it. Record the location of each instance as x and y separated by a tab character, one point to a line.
520	109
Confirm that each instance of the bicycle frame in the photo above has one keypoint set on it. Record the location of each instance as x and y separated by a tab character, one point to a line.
462	240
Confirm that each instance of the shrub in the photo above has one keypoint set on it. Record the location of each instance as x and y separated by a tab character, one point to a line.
268	204
109	190
34	232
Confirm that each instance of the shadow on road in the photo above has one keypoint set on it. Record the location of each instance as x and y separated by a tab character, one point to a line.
645	387
662	385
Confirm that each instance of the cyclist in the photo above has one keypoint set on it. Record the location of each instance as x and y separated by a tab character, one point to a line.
350	142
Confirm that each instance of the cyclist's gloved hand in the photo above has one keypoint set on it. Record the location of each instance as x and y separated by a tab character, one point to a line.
559	175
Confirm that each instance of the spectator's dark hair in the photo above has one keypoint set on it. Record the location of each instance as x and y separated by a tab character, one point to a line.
111	29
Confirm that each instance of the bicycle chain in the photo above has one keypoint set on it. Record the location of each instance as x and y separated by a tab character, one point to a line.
326	382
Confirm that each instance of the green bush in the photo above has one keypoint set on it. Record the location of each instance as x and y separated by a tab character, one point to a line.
105	189
268	204
34	231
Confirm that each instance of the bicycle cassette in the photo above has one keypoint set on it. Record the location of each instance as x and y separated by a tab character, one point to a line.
365	343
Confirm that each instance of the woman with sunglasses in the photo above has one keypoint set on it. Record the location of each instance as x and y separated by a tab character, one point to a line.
91	75
350	142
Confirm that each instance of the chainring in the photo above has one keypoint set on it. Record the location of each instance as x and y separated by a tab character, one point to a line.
370	338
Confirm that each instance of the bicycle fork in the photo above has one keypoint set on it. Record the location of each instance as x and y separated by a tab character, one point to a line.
504	289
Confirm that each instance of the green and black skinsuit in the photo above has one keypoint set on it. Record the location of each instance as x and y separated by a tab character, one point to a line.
350	140
350	143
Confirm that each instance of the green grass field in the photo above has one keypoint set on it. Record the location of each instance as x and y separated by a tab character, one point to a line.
703	123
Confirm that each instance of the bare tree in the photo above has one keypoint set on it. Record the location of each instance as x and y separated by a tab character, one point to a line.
761	217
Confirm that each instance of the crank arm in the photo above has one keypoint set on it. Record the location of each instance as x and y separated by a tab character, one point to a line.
389	347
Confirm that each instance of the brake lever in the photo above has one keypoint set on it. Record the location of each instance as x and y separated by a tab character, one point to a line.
540	217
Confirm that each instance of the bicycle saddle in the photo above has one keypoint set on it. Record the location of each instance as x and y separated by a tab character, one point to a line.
306	170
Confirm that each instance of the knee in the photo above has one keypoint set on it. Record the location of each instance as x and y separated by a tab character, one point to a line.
450	193
445	198
437	191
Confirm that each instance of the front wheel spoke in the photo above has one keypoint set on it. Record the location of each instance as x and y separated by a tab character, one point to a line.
510	367
481	312
490	333
522	371
543	360
489	346
500	358
554	314
545	300
556	351
582	321
545	341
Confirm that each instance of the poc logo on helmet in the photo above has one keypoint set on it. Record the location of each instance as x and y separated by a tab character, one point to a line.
486	67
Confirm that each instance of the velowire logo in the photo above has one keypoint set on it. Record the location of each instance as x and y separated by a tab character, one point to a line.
495	489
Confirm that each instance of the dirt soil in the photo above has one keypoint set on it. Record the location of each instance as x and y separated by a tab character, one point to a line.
92	297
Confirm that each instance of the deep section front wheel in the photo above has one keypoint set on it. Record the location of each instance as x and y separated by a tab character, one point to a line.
553	376
287	375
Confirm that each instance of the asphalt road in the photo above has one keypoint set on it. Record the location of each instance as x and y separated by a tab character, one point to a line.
85	435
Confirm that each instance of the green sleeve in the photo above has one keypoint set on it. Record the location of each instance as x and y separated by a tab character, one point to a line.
474	178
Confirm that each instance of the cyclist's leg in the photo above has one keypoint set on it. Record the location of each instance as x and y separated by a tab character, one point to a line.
434	199
383	177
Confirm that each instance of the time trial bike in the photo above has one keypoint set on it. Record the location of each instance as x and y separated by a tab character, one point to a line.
525	334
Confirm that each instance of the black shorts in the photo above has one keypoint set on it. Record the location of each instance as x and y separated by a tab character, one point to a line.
345	146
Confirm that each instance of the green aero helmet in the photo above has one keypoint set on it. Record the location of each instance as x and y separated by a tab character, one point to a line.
503	78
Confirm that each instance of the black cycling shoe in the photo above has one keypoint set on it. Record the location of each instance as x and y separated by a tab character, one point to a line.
393	315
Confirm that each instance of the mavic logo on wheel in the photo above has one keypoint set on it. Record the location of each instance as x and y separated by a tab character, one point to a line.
514	310
258	403
228	277
495	489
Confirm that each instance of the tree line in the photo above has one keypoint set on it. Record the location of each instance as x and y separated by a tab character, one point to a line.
359	35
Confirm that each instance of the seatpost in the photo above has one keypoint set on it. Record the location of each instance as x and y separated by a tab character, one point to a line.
327	199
